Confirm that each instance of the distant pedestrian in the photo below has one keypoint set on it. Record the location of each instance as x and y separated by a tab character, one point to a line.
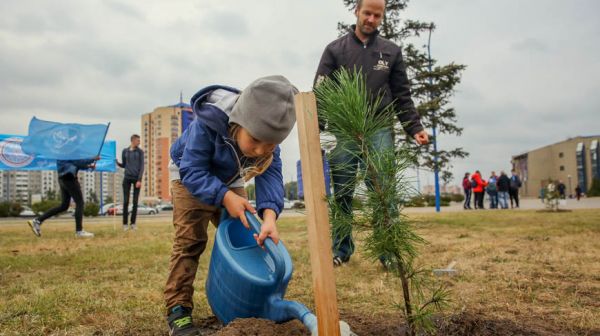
132	159
69	188
468	189
492	190
478	189
578	192
503	189
515	184
562	190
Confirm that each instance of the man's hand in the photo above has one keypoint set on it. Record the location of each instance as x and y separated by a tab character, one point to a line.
268	228
422	138
138	184
236	205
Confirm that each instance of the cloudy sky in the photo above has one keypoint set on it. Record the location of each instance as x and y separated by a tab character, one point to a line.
532	77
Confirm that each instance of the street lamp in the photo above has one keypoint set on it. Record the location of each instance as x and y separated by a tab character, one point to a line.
436	169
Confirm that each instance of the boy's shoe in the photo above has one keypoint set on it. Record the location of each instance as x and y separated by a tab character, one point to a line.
125	227
133	227
338	261
84	234
35	226
180	322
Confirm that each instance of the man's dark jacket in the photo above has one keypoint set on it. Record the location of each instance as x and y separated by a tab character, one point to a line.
133	162
380	61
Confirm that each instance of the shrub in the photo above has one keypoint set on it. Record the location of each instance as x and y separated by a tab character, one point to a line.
91	209
10	209
43	206
595	188
457	198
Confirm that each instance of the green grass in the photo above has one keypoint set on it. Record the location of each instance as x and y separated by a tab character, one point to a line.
523	266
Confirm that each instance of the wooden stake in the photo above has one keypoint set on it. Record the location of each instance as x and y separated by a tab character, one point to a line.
319	240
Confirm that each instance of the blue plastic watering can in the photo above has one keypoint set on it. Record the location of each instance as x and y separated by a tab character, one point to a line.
246	281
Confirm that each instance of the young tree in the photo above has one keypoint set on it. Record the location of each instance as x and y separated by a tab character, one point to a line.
432	85
354	119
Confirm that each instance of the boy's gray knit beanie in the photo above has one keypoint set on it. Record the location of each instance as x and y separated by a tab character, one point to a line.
266	109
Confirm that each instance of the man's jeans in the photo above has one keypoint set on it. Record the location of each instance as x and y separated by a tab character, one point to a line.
344	167
467	204
493	199
503	199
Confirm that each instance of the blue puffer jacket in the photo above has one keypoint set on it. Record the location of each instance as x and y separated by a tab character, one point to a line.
65	167
208	159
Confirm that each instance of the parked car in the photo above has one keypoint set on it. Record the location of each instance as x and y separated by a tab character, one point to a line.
141	210
287	204
165	207
104	209
26	212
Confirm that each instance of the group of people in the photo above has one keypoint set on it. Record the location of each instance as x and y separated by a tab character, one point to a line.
499	189
132	160
235	136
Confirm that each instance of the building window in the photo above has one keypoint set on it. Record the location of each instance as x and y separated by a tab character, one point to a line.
561	155
562	168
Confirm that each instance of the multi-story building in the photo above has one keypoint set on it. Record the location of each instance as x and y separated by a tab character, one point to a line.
573	161
160	128
28	187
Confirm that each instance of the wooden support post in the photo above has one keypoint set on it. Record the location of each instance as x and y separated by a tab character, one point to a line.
319	240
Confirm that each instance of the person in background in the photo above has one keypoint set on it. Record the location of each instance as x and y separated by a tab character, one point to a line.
132	159
492	190
468	189
478	189
503	188
562	190
69	188
578	192
515	184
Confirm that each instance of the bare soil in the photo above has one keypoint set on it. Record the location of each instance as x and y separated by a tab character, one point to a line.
466	323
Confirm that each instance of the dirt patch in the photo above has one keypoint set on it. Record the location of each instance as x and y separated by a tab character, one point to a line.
467	323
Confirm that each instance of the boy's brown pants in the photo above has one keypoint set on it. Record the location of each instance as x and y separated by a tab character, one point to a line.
190	219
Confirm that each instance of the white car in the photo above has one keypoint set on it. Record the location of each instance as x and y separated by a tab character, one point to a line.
26	212
141	210
287	204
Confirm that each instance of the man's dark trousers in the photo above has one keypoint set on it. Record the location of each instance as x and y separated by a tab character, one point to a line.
127	183
69	188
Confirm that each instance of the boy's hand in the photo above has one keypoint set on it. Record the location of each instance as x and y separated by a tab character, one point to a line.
236	205
268	228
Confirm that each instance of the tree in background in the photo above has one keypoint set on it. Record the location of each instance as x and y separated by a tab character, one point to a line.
108	199
92	197
431	90
251	191
50	195
291	190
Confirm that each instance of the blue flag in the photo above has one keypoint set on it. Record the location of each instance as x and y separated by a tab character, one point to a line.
12	156
59	141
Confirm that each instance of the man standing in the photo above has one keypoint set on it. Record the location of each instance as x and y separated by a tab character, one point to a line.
380	62
503	189
132	159
515	184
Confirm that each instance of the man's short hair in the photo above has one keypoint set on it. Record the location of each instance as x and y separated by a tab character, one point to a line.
135	136
360	2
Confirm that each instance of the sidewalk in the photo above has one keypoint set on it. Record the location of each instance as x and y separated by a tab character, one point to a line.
525	204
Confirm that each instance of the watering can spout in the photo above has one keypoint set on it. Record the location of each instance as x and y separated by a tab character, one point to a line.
298	311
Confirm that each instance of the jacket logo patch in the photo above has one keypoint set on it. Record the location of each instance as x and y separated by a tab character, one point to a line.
381	65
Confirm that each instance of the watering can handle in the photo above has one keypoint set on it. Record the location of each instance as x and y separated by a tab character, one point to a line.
270	247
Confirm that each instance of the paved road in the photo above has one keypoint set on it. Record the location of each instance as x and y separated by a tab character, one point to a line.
526	204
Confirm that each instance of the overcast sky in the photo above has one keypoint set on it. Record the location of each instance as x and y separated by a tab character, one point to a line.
533	75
